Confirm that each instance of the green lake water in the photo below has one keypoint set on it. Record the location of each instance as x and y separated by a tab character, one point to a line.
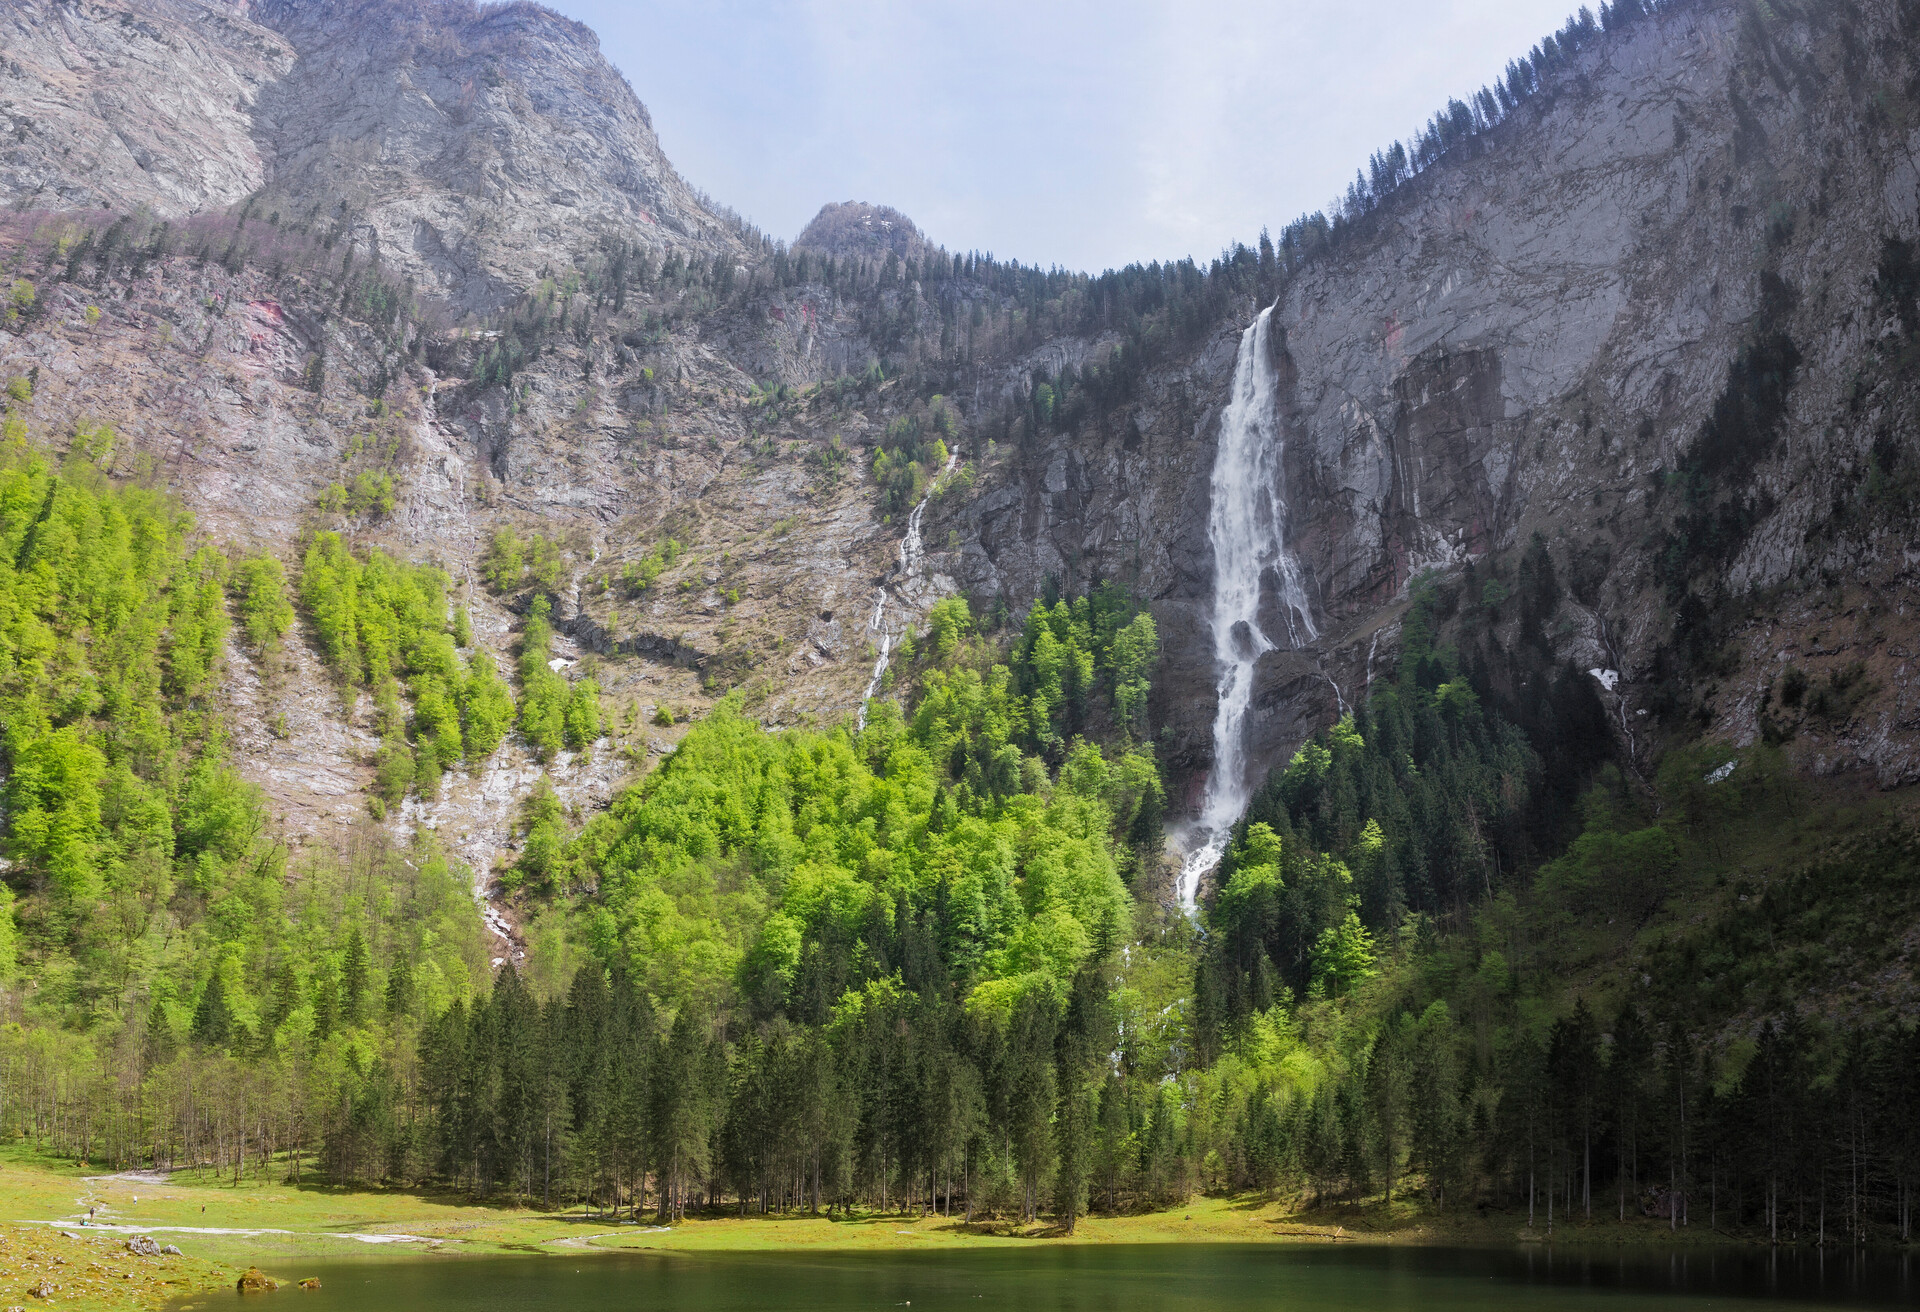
1209	1277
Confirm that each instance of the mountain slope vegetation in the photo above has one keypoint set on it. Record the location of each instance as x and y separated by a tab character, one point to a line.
370	550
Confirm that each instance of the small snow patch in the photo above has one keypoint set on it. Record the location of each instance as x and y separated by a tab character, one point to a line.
1608	678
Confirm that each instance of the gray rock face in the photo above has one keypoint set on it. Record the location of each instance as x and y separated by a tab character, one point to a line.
1527	338
468	148
477	146
106	107
199	370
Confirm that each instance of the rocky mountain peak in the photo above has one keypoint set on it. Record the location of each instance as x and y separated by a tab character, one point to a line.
479	144
468	147
856	228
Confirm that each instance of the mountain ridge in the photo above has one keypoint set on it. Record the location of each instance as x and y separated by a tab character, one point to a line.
1452	341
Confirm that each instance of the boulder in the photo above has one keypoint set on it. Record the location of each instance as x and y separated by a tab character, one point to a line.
169	1251
254	1281
311	1282
143	1246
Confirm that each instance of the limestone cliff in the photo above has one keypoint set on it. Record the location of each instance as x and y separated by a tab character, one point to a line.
469	148
1531	336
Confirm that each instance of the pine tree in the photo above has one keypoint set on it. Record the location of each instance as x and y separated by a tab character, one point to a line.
213	1023
353	979
1389	1082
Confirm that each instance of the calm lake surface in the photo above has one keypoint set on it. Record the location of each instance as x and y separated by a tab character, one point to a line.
1213	1277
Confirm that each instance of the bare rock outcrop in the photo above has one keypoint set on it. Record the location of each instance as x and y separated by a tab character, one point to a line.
108	107
855	228
470	148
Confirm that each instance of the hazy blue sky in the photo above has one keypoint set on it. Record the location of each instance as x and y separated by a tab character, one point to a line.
1081	132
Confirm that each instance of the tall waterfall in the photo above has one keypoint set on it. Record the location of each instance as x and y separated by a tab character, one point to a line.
912	553
1246	526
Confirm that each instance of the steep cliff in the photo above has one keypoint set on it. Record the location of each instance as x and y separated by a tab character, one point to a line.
478	145
244	241
1565	327
107	108
468	148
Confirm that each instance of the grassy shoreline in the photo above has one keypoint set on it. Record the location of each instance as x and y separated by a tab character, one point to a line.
278	1227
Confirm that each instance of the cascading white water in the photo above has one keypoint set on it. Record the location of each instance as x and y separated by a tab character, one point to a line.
877	624
911	549
1246	526
912	552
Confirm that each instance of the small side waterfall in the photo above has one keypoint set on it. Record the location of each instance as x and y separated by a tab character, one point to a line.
1246	526
878	624
912	553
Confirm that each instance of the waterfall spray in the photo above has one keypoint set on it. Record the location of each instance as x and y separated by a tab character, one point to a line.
1246	526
